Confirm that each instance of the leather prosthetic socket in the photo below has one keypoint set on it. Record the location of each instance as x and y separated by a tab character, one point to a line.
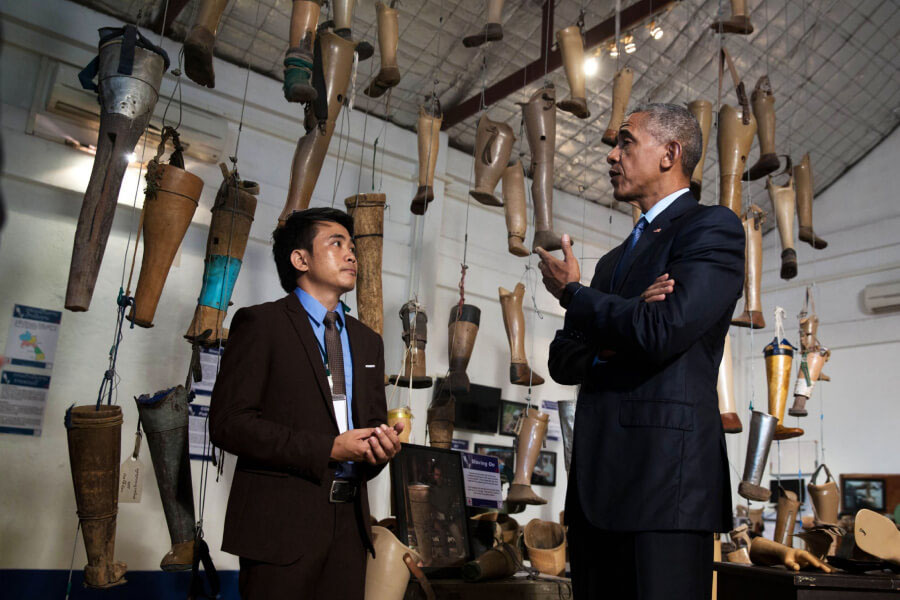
809	373
731	422
877	535
229	231
463	329
740	539
164	417
532	431
766	552
545	542
762	432
567	425
199	43
514	208
622	81
571	46
514	322
752	316
784	199
428	131
739	22
127	90
415	336
825	497
499	562
423	519
337	61
367	211
734	138
388	37
298	61
779	357
440	419
786	517
763	101
388	571
493	30
493	146
702	111
94	437
804	179
540	128
343	20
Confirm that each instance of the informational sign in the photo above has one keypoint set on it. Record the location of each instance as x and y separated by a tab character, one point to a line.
461	445
481	477
33	333
23	397
198	432
209	365
554	431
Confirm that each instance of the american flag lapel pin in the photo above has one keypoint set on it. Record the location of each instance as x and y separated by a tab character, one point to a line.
657	230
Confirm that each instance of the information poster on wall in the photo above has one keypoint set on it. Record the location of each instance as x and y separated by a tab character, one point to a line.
461	445
554	431
33	334
209	366
481	477
23	397
199	446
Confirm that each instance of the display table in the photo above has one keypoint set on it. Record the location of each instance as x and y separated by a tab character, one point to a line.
745	582
519	588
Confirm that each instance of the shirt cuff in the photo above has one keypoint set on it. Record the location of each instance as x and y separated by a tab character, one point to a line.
569	292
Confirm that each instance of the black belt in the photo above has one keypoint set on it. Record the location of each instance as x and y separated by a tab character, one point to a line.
343	490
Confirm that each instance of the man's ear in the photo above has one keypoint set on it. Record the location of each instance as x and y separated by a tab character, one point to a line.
300	260
671	156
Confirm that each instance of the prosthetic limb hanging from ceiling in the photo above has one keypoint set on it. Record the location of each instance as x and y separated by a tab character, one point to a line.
571	46
702	111
428	130
343	21
493	30
763	101
810	372
514	207
621	94
367	212
540	128
493	146
762	432
739	21
298	62
752	316
514	322
804	179
200	41
532	431
415	336
783	200
736	129
388	37
779	354
731	422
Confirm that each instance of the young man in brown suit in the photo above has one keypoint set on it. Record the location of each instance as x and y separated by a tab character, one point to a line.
300	401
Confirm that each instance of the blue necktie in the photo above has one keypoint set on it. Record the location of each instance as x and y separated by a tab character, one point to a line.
629	247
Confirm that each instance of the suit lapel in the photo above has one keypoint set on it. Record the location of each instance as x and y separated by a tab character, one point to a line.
603	272
358	366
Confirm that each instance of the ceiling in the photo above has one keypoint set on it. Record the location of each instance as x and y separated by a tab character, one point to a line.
832	65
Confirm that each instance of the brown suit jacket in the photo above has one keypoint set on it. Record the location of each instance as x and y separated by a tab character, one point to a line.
271	406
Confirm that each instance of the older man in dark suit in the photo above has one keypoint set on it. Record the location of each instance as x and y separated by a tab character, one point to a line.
649	479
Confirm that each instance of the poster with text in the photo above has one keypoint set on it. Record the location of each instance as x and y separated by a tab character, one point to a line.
199	446
554	430
23	397
209	366
481	477
33	333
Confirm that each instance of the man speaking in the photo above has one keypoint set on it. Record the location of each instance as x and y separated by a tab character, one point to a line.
649	481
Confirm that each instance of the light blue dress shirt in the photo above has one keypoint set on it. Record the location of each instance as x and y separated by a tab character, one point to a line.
662	205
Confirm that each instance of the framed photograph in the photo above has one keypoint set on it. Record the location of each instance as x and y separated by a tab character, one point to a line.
862	493
509	416
545	469
429	497
506	455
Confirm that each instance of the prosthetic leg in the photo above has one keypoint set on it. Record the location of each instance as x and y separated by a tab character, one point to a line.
752	316
741	540
415	336
762	432
514	207
763	102
803	175
499	562
164	417
810	370
786	516
128	90
540	127
463	329
779	357
422	518
731	422
367	211
734	140
199	43
343	20
388	569
533	430
440	419
825	497
621	94
739	21
388	37
493	30
94	436
545	542
702	111
493	146
783	199
428	135
514	321
571	46
298	62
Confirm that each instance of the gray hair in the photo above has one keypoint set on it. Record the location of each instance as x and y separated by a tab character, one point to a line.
674	123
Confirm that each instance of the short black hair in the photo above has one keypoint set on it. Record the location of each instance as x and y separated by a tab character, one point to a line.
672	122
298	233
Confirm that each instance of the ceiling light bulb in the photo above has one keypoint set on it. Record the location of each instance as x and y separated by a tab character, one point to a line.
613	50
591	66
656	32
131	157
630	48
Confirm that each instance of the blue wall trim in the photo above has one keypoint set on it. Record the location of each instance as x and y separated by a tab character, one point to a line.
38	584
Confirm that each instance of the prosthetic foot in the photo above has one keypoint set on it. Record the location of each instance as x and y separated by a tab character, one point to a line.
825	497
164	417
734	140
389	568
621	94
514	207
415	336
739	21
540	128
752	316
199	43
499	562
763	102
493	146
545	542
785	517
388	37
463	328
762	432
428	136
528	448
702	111
783	199
367	211
493	30
731	422
514	321
571	46
343	21
877	535
298	62
810	370
779	357
803	176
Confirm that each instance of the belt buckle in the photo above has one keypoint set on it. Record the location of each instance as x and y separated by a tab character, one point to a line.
341	491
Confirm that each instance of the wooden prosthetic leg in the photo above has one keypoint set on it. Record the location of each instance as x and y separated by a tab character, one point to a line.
571	46
783	200
200	41
809	373
428	132
493	30
702	111
461	334
621	94
731	422
739	21
804	178
533	429
298	62
825	497
763	101
388	37
514	208
734	138
493	146
415	336
752	316
514	322
786	517
343	22
367	212
540	127
779	358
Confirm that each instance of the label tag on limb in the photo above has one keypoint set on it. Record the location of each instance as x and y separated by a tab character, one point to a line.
131	480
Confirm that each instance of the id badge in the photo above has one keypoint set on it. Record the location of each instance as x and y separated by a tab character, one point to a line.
340	410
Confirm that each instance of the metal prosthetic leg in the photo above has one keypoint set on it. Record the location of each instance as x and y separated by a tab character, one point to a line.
514	208
388	38
734	138
752	316
762	432
367	211
731	422
545	542
164	417
415	336
200	41
763	102
298	62
803	176
533	430
825	497
622	81
94	436
786	516
514	322
463	329
540	128
779	357
129	70
493	30
499	562
493	146
702	111
428	131
810	372
784	199
571	46
739	21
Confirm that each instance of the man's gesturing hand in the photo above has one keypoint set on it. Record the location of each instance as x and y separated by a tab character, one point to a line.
659	289
558	273
374	445
385	443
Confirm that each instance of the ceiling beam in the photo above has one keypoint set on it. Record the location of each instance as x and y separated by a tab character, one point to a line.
593	37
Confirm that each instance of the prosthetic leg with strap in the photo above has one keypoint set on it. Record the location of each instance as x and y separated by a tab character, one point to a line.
299	59
493	146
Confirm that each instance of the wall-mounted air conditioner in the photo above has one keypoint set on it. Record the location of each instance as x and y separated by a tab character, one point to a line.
882	297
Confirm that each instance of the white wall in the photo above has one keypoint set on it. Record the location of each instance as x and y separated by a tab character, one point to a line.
43	183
